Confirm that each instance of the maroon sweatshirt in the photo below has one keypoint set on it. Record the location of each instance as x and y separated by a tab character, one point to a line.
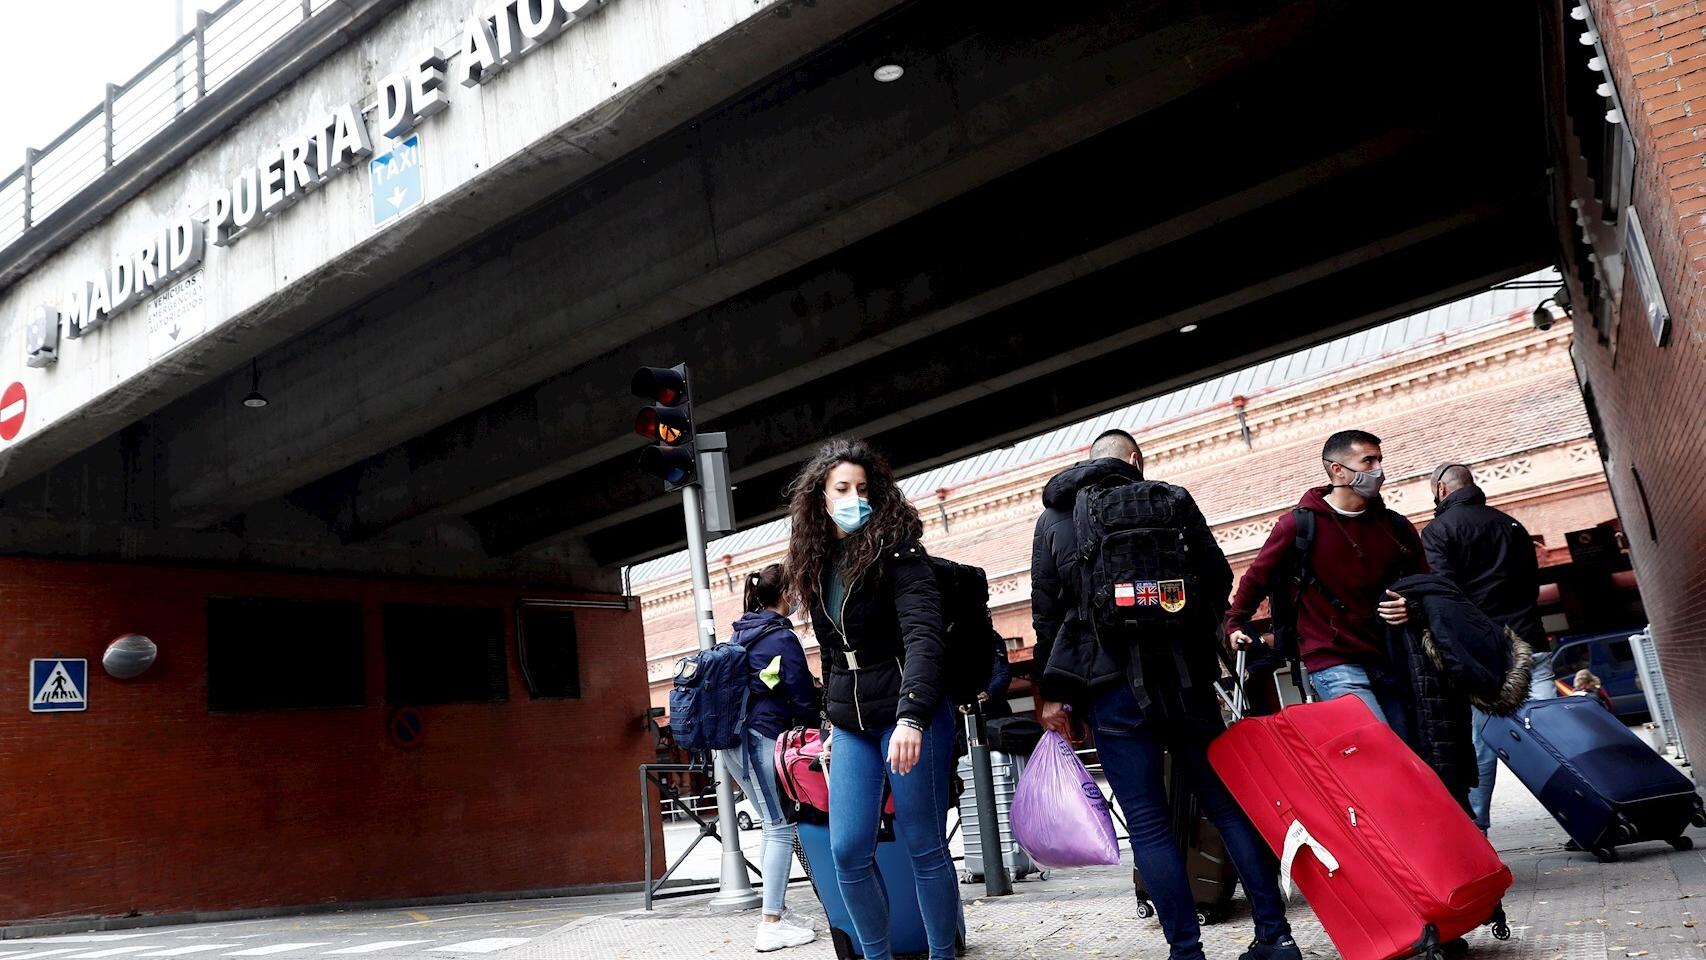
1356	558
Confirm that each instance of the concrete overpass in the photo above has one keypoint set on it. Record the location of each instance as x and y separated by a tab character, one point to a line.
1012	235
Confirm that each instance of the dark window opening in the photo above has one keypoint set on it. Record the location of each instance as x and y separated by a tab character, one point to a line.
549	652
439	655
271	654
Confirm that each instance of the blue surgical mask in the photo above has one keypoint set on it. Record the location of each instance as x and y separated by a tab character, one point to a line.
850	512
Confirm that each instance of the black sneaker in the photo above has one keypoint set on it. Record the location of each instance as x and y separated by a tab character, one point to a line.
1282	947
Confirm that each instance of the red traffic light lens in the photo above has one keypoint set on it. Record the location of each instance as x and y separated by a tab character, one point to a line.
660	384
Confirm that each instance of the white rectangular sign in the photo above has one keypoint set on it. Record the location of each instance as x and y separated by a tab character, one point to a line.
178	315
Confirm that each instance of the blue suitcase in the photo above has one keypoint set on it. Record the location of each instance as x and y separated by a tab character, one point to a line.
1604	786
894	869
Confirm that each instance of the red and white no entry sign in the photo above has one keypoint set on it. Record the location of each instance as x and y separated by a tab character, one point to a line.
12	404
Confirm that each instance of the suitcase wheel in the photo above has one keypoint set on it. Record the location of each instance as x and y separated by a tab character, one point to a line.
1501	930
1605	854
1699	818
1204	918
1145	909
1683	843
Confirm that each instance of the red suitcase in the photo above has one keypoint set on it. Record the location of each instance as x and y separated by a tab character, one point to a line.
1389	862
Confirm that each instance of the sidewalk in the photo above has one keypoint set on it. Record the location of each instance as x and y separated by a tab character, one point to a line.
1564	906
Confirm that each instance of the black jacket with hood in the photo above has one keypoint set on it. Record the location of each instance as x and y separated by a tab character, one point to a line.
891	621
1081	665
1490	556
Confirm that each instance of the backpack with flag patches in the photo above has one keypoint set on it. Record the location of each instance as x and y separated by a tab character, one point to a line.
1135	566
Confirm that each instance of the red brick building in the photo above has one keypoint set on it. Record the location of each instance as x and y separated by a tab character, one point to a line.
253	764
1627	110
1472	382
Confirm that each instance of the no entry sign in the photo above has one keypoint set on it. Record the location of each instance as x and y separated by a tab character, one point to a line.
12	404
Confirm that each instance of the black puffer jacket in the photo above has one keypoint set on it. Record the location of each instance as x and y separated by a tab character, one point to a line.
1439	717
893	621
1082	664
1490	557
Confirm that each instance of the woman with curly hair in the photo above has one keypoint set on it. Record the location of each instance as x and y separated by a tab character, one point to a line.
855	565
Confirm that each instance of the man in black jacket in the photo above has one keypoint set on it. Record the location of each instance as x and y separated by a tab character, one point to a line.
1099	674
1490	557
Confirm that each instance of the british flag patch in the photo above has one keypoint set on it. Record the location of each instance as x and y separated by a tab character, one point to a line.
1148	593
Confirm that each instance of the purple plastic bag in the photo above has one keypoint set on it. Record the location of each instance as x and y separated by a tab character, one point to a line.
1060	817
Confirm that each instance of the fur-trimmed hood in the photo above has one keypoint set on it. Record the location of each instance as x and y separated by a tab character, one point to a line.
1478	658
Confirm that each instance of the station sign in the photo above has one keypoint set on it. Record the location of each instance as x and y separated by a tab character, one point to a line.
323	147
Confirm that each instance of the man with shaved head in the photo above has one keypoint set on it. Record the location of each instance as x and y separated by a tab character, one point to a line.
1490	557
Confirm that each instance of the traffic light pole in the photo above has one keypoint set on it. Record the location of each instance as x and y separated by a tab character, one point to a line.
735	890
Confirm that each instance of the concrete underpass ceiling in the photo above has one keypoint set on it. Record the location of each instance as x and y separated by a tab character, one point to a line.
1005	240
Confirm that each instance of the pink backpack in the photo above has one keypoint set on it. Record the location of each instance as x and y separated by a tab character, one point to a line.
799	768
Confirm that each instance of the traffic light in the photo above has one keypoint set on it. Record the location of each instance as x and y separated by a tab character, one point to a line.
673	458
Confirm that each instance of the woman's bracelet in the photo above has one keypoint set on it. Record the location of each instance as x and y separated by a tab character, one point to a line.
909	722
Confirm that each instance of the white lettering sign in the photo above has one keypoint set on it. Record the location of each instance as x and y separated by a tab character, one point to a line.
301	162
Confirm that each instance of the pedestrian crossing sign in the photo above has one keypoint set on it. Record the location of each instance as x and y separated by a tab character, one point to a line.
59	685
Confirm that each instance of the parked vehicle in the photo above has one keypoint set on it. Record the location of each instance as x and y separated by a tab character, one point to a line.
1611	659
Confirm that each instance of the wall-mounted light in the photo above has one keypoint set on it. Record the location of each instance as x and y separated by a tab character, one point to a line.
129	656
255	400
888	73
942	506
1188	328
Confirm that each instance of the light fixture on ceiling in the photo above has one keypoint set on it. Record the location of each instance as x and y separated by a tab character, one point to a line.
255	400
1188	328
888	72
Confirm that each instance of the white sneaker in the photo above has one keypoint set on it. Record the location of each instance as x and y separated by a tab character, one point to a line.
780	936
804	921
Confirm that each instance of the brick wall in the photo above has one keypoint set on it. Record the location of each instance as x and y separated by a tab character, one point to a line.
1651	399
149	803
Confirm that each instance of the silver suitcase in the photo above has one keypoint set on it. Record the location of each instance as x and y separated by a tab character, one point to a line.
1006	770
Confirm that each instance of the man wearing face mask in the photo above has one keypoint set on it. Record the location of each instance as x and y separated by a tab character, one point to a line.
1490	557
1359	549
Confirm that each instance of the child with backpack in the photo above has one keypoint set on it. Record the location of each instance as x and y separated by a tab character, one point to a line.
780	695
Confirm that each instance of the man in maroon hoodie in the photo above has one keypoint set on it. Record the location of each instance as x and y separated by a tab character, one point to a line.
1360	549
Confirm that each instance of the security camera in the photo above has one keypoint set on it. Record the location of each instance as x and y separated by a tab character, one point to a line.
1543	319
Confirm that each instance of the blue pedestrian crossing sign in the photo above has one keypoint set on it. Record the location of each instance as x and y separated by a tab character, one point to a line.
394	180
59	685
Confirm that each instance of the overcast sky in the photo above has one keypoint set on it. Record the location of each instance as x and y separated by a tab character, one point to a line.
64	54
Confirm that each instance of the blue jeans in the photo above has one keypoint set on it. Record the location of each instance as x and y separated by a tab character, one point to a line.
1541	687
754	765
1389	705
858	766
1131	751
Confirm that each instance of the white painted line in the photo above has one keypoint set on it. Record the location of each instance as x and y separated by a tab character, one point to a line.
276	948
184	951
114	951
374	947
81	938
45	953
486	945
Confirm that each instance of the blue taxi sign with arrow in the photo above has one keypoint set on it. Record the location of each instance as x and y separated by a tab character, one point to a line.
394	180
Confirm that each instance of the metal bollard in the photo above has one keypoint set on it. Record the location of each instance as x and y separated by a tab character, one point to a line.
995	880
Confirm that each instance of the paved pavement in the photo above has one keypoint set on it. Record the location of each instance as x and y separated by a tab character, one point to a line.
1564	906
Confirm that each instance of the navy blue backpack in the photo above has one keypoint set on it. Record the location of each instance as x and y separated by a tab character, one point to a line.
707	707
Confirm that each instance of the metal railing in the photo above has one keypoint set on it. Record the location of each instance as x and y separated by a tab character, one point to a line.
137	113
654	775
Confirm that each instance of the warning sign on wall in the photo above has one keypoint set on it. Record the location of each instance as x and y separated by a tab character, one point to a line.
57	685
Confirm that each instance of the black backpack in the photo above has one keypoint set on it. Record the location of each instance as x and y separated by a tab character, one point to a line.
968	632
1134	563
